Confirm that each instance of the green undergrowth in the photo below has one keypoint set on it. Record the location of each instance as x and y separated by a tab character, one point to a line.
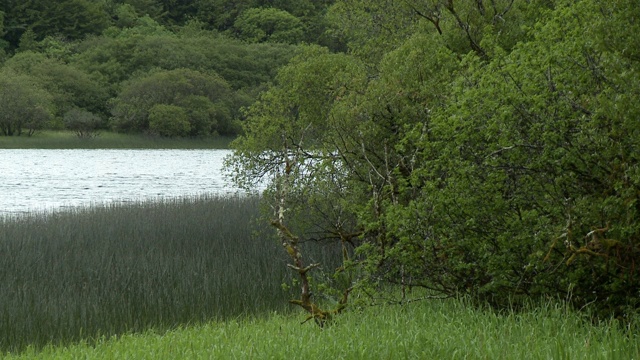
449	329
109	140
107	270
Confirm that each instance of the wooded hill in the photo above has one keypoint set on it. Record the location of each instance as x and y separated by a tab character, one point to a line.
173	68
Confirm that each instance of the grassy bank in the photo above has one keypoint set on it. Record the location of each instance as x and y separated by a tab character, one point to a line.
108	140
116	269
429	330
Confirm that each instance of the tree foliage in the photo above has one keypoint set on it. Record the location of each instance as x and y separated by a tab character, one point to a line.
84	123
84	52
72	19
203	100
68	86
25	106
483	148
269	25
168	120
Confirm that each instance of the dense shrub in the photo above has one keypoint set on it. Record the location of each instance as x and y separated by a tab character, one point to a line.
168	120
462	154
84	123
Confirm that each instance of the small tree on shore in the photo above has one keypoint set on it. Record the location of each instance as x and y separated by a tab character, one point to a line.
168	120
84	123
23	105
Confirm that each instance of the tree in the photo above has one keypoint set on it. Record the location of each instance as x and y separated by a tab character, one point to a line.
222	13
517	196
151	8
23	104
121	53
125	15
204	117
177	12
72	19
69	87
269	25
372	29
181	87
168	120
3	43
82	122
126	54
28	41
461	155
289	137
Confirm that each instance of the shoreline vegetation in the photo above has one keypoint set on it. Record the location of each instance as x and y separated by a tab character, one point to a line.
226	289
49	139
199	277
108	270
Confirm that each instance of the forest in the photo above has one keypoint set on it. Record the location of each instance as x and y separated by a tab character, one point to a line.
463	147
166	68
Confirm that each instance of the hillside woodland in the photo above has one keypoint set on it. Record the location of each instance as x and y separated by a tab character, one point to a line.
169	68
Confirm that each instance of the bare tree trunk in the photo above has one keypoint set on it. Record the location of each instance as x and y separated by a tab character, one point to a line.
291	243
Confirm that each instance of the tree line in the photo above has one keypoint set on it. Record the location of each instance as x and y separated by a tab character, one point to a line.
171	68
486	148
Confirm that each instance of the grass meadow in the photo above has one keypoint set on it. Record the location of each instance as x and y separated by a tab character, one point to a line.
449	329
48	139
114	269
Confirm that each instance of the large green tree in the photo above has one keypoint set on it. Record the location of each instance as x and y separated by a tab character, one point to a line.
486	148
69	86
121	53
24	106
3	43
204	99
269	25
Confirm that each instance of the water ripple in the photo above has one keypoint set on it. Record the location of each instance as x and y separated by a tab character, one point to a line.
37	180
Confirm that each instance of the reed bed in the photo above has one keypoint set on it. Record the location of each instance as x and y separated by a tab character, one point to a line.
113	269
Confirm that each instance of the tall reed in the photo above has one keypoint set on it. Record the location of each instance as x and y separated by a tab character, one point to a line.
115	269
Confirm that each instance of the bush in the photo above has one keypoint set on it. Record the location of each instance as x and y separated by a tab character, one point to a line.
168	120
82	122
179	88
23	104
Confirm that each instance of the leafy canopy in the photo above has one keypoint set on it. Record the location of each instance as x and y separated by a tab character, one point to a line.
486	148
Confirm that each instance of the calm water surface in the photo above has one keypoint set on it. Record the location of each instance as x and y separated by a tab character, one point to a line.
37	180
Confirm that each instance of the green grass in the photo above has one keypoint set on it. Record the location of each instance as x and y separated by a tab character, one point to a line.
102	271
108	140
448	329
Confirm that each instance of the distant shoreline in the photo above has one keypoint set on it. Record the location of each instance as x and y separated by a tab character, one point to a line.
48	139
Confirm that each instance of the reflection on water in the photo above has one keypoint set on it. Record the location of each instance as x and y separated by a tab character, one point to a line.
35	179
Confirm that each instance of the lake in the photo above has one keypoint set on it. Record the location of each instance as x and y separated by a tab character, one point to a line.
42	180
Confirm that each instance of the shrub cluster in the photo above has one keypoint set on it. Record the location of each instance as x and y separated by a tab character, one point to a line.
485	150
